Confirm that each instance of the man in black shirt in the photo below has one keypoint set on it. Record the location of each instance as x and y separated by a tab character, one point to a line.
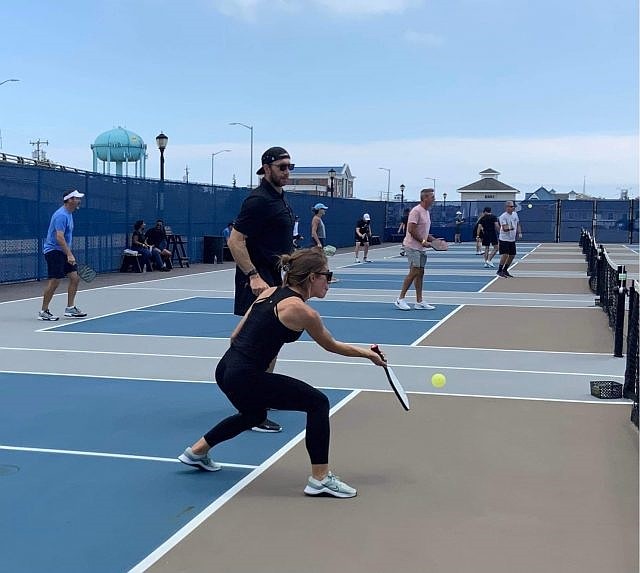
362	234
490	229
261	233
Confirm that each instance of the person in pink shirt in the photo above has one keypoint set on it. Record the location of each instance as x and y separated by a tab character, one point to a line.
416	242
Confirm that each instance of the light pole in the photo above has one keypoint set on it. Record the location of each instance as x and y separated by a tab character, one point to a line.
5	81
212	158
434	182
250	128
162	141
444	206
388	179
332	176
402	188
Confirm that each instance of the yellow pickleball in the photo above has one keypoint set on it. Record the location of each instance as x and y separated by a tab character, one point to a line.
438	380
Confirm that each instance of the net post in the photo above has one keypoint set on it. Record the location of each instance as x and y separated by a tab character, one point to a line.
621	283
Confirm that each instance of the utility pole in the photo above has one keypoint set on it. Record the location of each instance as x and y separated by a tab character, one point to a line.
186	174
39	154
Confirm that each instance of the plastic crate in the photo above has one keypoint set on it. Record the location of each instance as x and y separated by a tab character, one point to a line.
606	389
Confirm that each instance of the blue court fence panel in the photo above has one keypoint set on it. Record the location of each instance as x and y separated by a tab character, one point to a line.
103	226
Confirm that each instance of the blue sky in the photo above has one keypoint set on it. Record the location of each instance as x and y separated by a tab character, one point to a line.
545	92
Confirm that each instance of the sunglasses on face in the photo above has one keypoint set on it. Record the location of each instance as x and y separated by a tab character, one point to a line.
328	274
284	166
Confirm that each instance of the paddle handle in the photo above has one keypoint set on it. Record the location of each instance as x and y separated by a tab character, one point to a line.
377	350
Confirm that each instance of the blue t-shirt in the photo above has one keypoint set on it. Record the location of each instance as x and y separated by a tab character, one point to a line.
61	220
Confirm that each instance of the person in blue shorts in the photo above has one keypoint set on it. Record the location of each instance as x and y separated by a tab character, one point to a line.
279	315
61	261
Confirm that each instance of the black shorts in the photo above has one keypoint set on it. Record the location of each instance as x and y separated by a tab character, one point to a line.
363	241
57	265
507	247
489	240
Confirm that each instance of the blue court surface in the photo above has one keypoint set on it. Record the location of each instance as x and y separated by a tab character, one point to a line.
96	511
212	318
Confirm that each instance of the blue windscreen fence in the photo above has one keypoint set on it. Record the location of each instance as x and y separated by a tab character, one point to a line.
104	223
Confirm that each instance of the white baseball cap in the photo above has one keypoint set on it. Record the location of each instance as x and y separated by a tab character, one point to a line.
366	217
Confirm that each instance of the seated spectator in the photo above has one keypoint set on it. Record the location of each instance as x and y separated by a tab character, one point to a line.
147	252
157	238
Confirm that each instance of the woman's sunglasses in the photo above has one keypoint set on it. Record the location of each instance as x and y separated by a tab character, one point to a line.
328	274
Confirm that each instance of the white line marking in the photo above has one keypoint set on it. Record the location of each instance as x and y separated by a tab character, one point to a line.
224	498
109	455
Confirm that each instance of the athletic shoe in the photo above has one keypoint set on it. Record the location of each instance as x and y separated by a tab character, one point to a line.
203	462
507	274
74	312
401	304
330	486
491	264
423	306
268	427
487	265
501	274
367	261
46	315
357	260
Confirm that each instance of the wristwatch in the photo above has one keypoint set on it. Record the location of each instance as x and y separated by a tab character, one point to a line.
252	272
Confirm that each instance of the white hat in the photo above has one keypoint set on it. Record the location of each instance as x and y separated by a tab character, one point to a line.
366	217
458	212
74	193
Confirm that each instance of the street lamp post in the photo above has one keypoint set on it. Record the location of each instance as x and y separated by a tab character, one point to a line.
162	140
402	188
434	182
388	180
250	128
11	80
212	158
332	176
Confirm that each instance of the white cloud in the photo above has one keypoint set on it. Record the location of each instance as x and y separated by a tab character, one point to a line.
367	7
422	38
248	8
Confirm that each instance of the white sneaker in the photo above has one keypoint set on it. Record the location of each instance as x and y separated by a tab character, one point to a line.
357	260
491	265
423	306
331	485
401	304
487	265
203	462
47	315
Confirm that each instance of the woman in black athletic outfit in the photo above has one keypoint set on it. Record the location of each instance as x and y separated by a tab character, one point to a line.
280	315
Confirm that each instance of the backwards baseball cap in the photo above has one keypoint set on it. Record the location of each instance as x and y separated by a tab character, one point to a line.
272	154
74	193
366	217
458	212
320	206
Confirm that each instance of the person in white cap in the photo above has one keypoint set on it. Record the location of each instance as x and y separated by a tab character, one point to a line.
459	221
318	232
61	261
363	232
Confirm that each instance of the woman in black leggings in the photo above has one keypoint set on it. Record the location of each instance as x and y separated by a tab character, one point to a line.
278	316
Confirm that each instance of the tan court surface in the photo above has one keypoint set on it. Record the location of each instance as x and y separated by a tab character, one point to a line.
551	329
541	285
548	266
458	485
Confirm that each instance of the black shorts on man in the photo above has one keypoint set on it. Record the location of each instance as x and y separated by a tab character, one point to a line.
57	265
507	248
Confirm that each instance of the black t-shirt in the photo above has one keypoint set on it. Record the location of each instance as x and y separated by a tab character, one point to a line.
155	236
364	227
266	219
139	236
488	222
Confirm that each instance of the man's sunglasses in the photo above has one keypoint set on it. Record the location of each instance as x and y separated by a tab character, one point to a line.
285	166
328	274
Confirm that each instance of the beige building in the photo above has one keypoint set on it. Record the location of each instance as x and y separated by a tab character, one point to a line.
317	181
488	188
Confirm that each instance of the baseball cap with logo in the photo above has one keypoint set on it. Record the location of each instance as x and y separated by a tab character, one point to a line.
272	154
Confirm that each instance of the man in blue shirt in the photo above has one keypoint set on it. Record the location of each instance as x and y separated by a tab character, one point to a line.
60	260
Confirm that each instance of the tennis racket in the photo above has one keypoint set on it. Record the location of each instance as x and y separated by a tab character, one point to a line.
86	273
393	381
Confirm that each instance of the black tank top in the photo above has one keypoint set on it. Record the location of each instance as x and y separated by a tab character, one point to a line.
263	335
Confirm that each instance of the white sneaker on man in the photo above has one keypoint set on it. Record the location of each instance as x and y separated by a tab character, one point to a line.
487	265
401	304
423	306
491	265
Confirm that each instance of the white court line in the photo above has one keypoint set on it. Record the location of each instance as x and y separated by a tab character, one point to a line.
109	455
224	498
624	401
293	361
436	326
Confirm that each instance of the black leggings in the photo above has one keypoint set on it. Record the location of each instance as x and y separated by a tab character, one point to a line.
252	392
